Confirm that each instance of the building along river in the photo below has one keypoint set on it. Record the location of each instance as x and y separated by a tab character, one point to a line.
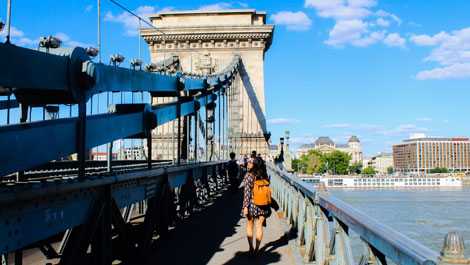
425	215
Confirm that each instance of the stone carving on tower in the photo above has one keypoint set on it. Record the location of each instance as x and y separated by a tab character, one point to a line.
205	65
205	42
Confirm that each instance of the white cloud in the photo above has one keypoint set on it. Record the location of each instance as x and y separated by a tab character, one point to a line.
399	131
346	31
394	40
63	37
402	131
304	139
339	10
89	8
78	44
382	22
454	71
352	21
68	42
452	49
131	23
217	6
322	4
423	119
394	17
26	42
14	32
452	52
17	37
359	127
282	121
341	125
370	39
413	24
244	5
168	8
446	121
426	40
294	21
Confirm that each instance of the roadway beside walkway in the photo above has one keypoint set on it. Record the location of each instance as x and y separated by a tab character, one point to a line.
216	235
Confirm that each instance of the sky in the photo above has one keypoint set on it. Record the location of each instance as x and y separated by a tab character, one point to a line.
378	69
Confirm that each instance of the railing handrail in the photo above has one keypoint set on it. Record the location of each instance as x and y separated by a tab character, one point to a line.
393	244
26	192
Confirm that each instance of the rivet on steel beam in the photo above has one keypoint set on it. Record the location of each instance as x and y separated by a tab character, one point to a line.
453	250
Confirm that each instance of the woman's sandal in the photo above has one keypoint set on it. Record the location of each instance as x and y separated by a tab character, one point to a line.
256	253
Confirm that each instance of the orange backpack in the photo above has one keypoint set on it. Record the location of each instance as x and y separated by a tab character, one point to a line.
261	191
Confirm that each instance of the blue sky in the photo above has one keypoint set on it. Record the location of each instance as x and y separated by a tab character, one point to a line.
378	69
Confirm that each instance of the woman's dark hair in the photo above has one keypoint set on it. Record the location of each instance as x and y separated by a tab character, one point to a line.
259	167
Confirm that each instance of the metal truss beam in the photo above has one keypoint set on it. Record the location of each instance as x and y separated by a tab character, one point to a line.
30	213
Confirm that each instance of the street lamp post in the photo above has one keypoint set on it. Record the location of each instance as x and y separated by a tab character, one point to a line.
281	156
52	112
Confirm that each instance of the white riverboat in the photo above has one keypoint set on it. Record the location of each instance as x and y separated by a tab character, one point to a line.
384	182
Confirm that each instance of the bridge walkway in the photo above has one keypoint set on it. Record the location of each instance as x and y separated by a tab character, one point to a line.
216	236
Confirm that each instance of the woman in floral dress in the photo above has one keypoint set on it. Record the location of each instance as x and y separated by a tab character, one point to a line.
255	215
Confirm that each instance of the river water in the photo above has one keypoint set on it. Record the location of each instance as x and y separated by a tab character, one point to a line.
424	215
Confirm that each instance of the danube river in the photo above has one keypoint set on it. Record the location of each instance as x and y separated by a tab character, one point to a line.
424	215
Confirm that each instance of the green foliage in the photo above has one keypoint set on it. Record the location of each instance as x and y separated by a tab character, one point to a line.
390	170
439	170
295	164
368	171
338	162
355	168
313	162
317	163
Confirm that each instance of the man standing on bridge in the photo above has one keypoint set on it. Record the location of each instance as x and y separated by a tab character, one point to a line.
233	169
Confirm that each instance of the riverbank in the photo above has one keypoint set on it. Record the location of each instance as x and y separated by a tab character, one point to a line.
465	182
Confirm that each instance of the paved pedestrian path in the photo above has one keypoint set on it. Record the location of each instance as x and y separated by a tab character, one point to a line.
216	235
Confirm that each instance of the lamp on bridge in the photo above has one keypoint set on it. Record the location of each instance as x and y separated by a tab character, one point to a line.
92	51
136	63
116	58
52	112
281	156
50	42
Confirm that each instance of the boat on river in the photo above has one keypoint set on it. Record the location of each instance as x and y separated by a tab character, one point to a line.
384	182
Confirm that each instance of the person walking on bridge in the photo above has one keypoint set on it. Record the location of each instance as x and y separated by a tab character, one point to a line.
255	214
233	170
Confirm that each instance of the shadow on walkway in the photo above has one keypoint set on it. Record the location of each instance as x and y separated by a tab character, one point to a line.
273	245
199	237
264	258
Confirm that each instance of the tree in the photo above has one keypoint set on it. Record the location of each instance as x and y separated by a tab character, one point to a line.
313	162
368	171
390	170
439	170
295	164
355	168
338	162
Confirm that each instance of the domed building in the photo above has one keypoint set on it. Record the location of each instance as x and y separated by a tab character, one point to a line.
325	145
354	149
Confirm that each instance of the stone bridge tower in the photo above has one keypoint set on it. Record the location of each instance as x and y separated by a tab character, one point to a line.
205	42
